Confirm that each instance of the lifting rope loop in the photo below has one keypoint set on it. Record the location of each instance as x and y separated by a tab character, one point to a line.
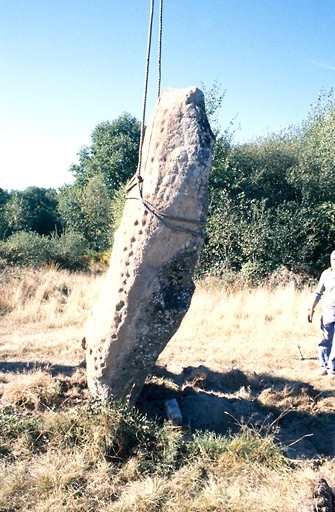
161	216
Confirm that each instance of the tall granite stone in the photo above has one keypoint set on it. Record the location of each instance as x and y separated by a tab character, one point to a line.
148	287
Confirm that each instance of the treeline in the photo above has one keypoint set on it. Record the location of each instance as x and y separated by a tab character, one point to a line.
272	201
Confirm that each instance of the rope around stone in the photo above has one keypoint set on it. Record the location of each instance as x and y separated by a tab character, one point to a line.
137	180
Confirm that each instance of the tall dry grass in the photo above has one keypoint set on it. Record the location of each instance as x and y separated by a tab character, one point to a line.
42	313
56	454
247	327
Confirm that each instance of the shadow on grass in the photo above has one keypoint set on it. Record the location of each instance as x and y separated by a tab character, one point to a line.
24	366
294	412
289	410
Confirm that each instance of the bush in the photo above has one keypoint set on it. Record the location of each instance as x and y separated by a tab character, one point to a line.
70	250
28	248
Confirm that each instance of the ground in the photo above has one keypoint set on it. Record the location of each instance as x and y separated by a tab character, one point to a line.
223	402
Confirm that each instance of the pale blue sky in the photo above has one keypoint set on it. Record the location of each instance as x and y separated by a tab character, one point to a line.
67	65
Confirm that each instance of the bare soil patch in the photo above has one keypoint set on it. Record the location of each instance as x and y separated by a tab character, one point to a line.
222	402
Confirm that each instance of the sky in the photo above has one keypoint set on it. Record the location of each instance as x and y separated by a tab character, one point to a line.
68	65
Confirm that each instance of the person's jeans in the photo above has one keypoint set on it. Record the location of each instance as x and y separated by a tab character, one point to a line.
326	347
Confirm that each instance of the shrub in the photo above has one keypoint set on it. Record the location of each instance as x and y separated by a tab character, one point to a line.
26	248
69	250
31	249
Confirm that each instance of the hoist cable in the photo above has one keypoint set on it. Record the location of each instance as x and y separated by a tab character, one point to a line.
160	48
161	216
146	79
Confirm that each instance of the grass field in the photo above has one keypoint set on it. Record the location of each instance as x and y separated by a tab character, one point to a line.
259	419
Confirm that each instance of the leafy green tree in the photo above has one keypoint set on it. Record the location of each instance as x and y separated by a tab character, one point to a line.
272	200
87	211
4	198
213	103
34	209
261	169
223	247
113	154
314	174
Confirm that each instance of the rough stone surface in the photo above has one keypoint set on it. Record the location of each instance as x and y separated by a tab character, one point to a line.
148	287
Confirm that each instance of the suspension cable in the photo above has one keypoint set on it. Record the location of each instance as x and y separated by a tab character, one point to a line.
145	94
160	47
168	220
146	80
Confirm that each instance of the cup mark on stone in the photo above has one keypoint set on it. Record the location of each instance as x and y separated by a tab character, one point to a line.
117	319
119	306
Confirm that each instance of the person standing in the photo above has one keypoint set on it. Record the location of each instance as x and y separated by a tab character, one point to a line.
326	347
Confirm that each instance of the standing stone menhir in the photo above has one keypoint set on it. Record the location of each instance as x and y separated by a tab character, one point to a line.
148	287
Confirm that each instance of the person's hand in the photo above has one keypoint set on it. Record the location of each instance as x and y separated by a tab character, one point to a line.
310	315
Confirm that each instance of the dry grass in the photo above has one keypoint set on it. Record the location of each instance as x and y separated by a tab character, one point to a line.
55	456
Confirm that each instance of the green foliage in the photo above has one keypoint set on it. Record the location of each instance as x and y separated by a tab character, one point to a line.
119	434
314	174
26	429
92	205
4	198
272	201
69	250
224	230
117	207
26	248
34	209
260	170
113	153
88	210
29	248
213	102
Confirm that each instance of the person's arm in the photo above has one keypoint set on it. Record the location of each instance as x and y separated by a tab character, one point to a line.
311	311
316	297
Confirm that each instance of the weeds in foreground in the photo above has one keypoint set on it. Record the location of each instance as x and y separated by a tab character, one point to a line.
68	450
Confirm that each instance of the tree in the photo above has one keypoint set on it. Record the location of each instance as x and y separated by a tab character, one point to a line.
34	209
272	200
87	210
4	198
314	173
113	154
261	169
213	103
